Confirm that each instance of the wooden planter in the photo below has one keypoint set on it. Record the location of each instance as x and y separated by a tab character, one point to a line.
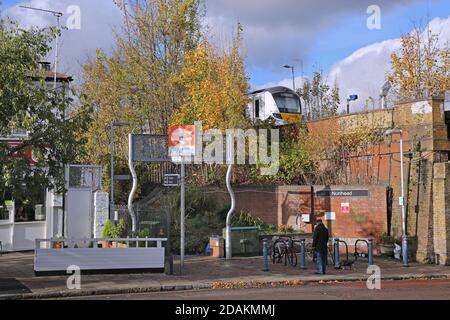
387	249
113	244
57	245
106	244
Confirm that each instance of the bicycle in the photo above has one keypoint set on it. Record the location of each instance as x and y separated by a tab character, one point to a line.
284	248
310	253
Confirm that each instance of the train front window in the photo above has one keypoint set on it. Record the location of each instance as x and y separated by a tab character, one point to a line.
287	102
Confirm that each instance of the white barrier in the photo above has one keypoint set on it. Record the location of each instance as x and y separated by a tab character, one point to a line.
128	254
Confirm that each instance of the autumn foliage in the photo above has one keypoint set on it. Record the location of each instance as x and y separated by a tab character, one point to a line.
216	88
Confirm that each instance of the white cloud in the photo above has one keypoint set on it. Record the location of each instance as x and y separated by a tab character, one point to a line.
98	19
278	32
364	71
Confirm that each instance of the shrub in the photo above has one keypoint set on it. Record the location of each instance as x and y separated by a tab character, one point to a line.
285	229
387	239
112	231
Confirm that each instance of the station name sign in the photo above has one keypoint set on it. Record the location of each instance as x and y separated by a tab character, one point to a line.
342	193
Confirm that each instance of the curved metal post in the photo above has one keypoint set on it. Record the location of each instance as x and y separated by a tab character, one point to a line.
230	213
135	183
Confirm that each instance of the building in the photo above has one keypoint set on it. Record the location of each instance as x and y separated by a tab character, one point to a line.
44	214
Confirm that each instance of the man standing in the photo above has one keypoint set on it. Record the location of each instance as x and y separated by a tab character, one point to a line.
320	245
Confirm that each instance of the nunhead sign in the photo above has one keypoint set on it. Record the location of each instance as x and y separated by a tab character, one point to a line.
182	141
342	193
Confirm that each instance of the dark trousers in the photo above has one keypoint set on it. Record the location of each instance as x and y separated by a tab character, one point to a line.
321	260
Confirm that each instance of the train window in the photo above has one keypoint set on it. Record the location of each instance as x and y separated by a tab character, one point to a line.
257	105
287	102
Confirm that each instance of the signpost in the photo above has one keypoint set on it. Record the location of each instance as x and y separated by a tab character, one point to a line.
181	144
172	180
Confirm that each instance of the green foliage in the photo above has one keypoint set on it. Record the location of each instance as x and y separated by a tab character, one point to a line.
113	231
320	100
203	219
27	104
144	233
387	239
245	219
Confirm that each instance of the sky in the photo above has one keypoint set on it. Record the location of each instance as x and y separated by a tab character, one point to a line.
330	36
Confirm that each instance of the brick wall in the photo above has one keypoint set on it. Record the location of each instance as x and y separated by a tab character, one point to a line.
284	205
441	213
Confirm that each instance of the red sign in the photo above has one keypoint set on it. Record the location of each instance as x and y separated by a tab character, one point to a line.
181	141
345	207
28	152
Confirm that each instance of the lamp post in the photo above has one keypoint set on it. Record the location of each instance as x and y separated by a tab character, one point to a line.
293	74
353	97
58	16
402	198
111	202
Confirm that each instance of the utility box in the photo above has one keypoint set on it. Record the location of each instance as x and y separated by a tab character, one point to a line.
217	247
244	241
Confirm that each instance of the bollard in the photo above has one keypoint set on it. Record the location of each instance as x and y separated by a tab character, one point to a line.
302	254
337	263
370	252
265	256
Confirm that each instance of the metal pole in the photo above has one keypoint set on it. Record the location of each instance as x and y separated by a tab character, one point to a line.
230	159
229	254
337	263
302	254
370	252
111	202
182	209
56	51
135	183
404	236
265	256
293	78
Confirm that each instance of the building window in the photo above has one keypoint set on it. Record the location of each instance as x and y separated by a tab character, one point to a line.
257	106
32	208
4	213
5	209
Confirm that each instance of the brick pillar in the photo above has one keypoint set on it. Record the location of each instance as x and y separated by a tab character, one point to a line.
441	213
101	212
424	215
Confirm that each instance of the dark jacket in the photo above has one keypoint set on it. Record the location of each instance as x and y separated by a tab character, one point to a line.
320	239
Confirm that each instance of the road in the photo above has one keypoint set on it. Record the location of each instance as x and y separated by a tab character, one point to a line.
407	289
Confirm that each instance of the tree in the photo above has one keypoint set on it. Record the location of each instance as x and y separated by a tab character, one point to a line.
134	83
320	99
216	87
421	68
27	104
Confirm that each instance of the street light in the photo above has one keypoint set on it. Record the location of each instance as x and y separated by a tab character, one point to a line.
293	74
353	97
58	16
111	204
402	198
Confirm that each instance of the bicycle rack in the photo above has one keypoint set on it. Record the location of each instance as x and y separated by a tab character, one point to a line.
337	263
288	248
358	254
368	255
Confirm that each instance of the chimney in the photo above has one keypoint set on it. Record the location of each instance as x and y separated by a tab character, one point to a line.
44	65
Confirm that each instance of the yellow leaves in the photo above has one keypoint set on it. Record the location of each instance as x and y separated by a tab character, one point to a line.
216	89
255	284
421	67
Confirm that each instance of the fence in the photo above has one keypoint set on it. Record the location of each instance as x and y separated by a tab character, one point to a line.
99	255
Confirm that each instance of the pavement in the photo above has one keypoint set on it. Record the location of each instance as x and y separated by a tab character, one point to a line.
17	279
431	290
